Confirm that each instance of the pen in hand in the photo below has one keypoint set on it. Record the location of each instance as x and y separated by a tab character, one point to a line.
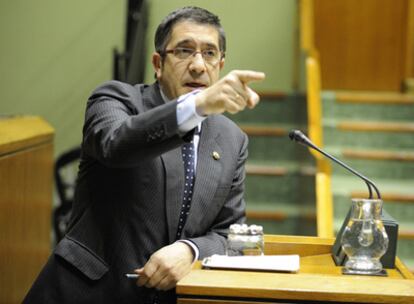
132	276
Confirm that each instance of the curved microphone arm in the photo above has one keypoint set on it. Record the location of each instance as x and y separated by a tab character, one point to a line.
301	138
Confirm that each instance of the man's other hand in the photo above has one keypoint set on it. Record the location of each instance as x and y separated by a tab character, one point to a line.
230	94
166	267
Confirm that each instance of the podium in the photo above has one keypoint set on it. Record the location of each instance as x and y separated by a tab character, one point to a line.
26	179
319	280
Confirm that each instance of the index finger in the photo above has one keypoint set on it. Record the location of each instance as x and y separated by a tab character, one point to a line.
246	76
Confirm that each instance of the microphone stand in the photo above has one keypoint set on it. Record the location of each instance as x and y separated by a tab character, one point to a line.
299	137
391	225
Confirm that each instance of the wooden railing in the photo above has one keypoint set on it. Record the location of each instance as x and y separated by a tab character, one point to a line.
324	205
307	42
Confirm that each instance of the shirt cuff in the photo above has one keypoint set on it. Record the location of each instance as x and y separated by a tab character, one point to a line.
187	117
194	247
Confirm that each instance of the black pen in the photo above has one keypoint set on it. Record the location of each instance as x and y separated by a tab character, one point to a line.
132	276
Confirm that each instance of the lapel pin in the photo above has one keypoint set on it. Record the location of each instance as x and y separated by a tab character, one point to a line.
216	156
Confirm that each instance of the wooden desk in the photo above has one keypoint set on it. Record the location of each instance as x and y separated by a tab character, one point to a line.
318	280
26	181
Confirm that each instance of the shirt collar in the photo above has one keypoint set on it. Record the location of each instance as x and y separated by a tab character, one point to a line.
164	97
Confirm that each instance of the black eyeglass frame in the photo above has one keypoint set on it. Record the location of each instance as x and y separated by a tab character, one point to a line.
194	51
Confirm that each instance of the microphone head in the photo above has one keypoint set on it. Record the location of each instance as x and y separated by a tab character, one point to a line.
296	135
301	138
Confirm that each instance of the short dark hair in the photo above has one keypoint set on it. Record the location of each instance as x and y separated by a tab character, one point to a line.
188	13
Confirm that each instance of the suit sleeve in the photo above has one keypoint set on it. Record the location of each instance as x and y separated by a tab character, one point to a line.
119	133
232	212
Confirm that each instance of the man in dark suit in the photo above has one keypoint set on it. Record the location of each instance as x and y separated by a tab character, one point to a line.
139	207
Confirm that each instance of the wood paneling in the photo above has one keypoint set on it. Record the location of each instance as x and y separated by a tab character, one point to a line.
409	55
26	162
362	44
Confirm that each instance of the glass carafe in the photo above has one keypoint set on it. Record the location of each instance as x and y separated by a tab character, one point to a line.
245	240
364	239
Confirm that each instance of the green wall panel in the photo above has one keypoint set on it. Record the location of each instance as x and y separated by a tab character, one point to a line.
52	55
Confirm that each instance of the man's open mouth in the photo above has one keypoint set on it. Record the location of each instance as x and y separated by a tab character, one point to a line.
195	85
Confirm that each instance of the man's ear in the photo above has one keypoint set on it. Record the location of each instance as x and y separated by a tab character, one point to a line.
221	64
157	64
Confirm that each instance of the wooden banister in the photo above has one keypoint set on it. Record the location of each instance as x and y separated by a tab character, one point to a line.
306	25
324	204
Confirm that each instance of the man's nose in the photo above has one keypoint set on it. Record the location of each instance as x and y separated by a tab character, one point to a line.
197	64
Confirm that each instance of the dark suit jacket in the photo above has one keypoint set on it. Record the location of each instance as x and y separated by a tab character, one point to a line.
129	196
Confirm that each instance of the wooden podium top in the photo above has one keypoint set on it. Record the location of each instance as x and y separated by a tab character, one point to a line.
319	279
17	132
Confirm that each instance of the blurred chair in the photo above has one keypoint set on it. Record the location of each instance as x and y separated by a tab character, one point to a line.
66	169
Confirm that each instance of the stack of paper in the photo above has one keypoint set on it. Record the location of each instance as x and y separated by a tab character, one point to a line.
288	263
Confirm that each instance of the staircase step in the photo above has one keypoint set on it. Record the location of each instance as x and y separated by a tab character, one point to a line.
266	215
272	96
374	164
279	107
406	235
283	217
269	129
272	143
280	211
375	126
256	130
275	189
379	107
266	170
375	140
374	97
345	185
405	251
345	188
277	215
389	197
379	155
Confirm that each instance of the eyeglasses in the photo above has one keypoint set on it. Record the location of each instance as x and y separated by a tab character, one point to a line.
210	56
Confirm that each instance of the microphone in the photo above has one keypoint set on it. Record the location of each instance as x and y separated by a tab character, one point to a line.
301	138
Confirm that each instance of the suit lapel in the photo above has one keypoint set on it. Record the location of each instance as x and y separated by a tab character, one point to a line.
173	166
174	173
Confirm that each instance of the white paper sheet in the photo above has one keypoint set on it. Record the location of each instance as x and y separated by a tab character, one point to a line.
289	263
